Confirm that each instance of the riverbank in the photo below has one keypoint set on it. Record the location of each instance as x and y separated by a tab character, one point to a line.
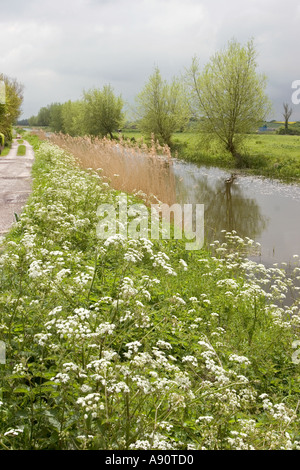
270	155
137	343
273	156
261	208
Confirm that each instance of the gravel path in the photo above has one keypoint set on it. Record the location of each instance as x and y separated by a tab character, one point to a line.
15	184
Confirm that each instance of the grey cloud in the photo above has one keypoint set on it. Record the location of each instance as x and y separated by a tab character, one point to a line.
58	48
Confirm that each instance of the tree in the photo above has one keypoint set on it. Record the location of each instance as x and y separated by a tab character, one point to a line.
229	96
287	112
10	109
33	121
162	107
102	111
43	117
56	119
72	117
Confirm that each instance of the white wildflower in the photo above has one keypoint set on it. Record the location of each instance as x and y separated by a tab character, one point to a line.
13	432
206	419
239	359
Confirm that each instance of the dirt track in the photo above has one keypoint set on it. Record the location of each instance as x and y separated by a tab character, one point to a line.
15	184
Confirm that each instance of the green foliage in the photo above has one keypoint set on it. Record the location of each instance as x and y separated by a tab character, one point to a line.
288	131
229	95
6	149
102	112
162	108
21	150
275	156
33	140
33	121
44	116
66	117
56	117
138	344
3	150
72	117
10	110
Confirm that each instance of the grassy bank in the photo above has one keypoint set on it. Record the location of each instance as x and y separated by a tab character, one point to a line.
137	344
271	155
21	151
6	150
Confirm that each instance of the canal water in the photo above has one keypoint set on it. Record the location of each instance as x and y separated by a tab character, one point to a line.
265	210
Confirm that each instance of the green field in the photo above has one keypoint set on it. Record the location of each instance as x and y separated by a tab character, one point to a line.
270	155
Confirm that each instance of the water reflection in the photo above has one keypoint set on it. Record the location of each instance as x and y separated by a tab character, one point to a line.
225	206
266	211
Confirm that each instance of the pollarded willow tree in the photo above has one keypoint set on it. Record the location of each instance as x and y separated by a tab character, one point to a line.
228	95
102	111
162	107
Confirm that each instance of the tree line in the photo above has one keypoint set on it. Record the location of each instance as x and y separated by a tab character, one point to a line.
226	97
99	113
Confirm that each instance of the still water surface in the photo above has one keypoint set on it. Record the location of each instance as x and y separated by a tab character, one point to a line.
265	210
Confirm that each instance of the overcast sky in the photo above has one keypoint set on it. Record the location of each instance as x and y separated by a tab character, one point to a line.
58	48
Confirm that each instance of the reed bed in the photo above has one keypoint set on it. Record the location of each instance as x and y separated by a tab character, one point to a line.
132	168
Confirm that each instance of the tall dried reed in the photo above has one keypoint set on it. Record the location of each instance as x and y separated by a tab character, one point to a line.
132	168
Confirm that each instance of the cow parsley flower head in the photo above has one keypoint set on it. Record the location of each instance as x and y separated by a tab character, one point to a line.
239	359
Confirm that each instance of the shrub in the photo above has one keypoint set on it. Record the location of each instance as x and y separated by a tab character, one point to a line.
289	131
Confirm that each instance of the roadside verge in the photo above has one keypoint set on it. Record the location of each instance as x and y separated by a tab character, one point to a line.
15	184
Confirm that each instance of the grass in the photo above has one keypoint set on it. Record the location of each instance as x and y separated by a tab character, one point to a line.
21	150
275	155
125	343
5	151
271	155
